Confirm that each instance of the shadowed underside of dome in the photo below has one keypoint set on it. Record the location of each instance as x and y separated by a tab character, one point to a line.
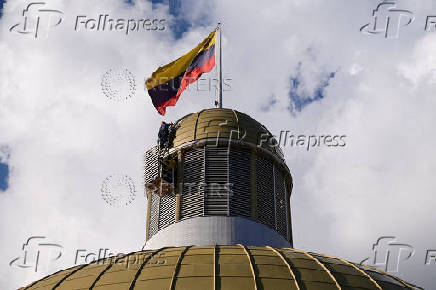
221	267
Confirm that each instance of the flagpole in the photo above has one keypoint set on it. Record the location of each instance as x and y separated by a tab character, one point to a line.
219	68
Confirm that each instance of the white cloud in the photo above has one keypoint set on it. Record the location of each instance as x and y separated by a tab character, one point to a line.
66	136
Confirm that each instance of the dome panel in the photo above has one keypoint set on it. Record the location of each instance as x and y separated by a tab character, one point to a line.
221	267
222	123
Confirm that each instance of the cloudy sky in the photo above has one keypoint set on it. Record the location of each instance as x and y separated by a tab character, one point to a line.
294	65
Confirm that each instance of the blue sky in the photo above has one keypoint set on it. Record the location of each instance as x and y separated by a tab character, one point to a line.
181	24
301	99
1	7
4	167
4	174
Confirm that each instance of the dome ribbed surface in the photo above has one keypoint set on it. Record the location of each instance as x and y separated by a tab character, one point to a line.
222	123
221	267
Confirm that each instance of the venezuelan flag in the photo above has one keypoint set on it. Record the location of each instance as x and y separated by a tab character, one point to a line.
169	81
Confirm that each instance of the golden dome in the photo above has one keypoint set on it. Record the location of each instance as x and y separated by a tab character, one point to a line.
221	267
223	123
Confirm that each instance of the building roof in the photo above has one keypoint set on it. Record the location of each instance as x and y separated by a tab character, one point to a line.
221	267
223	123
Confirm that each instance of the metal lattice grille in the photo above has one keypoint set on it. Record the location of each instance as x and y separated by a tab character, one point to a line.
167	211
154	216
280	195
265	191
217	172
239	182
151	170
193	184
217	181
